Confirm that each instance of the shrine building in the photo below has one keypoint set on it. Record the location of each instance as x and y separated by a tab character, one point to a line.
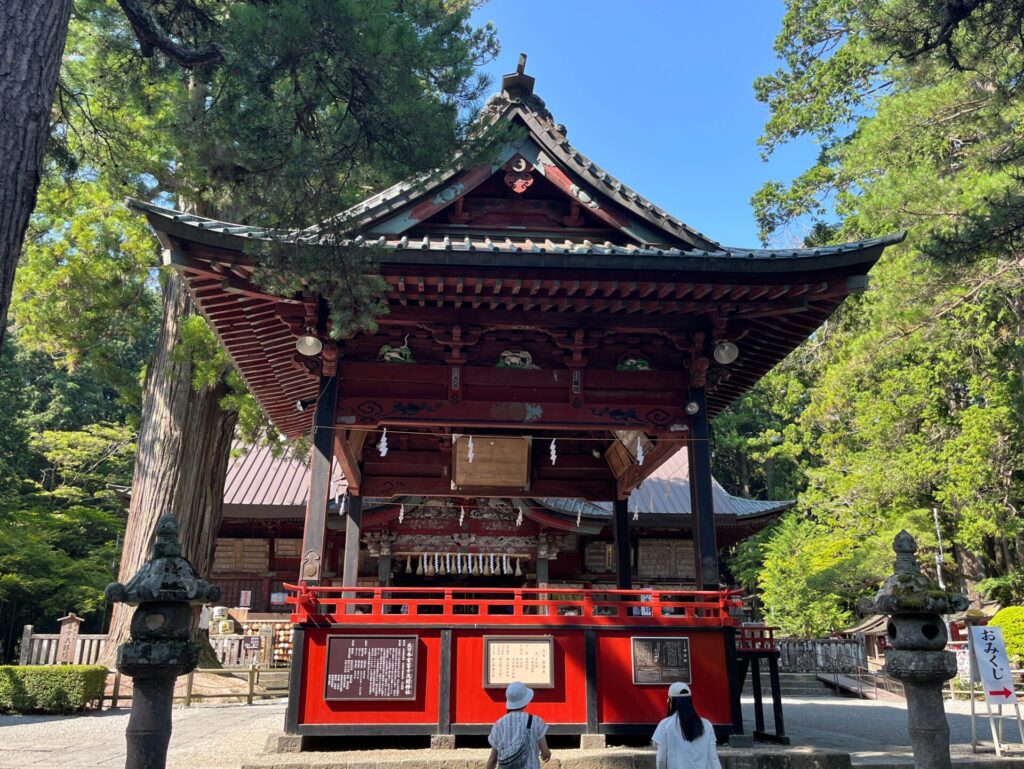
558	543
552	339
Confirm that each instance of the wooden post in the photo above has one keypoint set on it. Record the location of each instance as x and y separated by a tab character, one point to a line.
26	645
252	682
314	534
353	524
116	691
623	551
542	581
705	545
188	688
67	645
384	569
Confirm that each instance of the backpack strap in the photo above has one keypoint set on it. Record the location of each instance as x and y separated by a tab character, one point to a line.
529	721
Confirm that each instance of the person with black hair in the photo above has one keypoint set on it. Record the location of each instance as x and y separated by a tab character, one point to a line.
684	740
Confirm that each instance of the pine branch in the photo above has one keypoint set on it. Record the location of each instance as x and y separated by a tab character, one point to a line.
152	37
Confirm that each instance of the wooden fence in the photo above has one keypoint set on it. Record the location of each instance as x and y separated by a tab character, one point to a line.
821	655
41	648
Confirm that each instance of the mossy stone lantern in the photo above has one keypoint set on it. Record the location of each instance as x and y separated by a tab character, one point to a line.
915	605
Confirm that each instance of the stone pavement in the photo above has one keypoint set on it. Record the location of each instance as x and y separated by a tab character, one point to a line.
231	736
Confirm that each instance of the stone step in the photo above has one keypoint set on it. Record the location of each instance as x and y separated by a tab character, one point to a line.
607	758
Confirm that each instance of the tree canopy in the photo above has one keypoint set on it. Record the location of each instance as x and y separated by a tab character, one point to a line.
911	399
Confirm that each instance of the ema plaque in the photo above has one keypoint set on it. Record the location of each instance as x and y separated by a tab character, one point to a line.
661	659
371	667
528	659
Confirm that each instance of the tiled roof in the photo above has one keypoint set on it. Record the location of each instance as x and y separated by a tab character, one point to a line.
667	492
520	246
551	137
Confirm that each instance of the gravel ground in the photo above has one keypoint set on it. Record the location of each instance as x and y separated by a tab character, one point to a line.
225	736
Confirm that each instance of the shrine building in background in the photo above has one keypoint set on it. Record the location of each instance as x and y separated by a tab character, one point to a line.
534	402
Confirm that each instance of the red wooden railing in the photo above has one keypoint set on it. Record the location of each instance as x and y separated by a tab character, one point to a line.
756	638
511	606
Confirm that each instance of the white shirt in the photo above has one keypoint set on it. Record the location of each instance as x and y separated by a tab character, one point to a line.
675	752
507	733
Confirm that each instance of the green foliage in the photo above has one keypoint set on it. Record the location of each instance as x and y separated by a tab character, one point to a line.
1004	588
912	399
58	689
64	441
1011	620
754	450
83	293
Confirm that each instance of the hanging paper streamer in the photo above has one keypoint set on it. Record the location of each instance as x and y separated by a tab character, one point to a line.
492	563
469	450
437	563
553	451
401	514
579	517
480	563
504	564
639	451
462	515
447	563
382	446
458	563
519	518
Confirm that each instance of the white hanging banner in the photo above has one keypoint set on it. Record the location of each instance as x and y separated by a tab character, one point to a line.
993	664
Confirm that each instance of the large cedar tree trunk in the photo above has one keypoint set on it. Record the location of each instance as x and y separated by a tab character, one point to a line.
181	461
32	35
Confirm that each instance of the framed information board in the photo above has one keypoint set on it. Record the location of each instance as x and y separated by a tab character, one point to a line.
661	660
528	659
371	667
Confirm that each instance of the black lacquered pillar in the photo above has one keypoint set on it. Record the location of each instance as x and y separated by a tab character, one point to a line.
705	544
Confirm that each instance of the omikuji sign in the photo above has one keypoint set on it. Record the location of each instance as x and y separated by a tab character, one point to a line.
993	664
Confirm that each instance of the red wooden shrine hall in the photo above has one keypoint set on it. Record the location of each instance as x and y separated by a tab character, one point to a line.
550	334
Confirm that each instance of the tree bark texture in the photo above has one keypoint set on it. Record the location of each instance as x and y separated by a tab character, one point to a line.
181	461
32	35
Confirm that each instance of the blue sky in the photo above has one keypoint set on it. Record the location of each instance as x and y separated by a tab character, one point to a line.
660	94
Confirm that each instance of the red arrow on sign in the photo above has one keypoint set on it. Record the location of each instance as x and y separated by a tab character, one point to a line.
1004	692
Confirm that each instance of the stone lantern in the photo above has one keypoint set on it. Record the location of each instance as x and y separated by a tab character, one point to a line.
918	658
164	589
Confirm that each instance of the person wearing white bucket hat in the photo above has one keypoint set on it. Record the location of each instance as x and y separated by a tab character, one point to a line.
684	740
518	737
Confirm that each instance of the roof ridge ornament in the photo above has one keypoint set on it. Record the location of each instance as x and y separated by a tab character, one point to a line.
518	84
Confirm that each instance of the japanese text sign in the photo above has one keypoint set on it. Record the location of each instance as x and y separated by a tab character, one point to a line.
993	664
371	667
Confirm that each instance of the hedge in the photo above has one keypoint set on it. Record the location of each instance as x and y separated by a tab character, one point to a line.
50	688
